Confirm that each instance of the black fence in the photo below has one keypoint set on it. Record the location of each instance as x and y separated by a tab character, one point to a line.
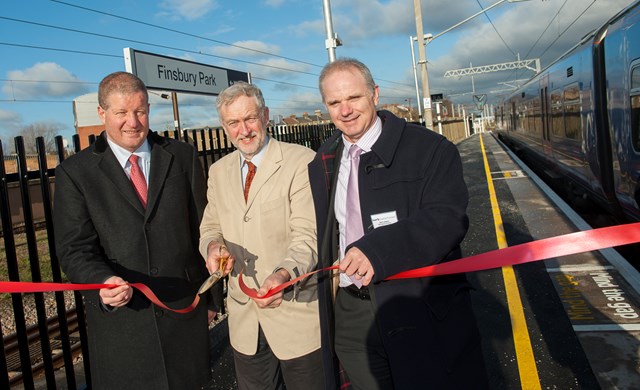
39	348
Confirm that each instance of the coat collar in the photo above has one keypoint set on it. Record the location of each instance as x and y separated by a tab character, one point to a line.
269	165
385	147
392	129
101	145
160	163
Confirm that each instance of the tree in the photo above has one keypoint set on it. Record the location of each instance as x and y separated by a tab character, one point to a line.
47	130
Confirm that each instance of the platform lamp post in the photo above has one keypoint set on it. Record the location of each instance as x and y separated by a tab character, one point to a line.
423	40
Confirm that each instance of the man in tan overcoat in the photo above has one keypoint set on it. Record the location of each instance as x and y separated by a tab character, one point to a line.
260	216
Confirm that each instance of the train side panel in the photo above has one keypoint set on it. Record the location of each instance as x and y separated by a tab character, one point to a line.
571	118
622	62
559	140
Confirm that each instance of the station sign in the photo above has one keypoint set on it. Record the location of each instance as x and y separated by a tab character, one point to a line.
178	75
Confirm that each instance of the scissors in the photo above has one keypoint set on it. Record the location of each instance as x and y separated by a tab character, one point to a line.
216	276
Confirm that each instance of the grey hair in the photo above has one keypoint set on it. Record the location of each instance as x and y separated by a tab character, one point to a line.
347	64
240	88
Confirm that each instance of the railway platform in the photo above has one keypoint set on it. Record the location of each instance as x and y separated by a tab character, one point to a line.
563	323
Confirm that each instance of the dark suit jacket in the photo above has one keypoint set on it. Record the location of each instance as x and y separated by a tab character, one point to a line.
102	230
427	324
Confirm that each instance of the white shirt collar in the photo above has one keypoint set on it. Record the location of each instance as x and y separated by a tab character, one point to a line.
122	154
368	138
258	157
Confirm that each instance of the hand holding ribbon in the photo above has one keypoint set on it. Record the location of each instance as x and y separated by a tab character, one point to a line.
567	244
29	287
543	249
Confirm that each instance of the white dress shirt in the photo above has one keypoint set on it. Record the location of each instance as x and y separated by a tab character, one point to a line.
144	160
365	143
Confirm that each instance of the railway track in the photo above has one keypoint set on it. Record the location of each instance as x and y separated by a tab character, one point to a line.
12	349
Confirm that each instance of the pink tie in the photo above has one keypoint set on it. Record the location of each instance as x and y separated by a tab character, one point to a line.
353	226
354	219
137	178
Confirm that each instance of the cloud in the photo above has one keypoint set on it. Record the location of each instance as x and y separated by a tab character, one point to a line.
279	68
187	9
195	110
520	25
10	121
356	20
274	3
239	49
296	103
223	29
369	19
309	27
43	80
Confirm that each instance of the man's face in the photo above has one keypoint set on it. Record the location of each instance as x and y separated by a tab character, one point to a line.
351	105
245	125
127	119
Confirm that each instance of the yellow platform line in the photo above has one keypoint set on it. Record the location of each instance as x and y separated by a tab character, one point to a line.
524	352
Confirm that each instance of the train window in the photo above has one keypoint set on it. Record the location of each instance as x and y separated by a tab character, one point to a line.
635	108
536	116
573	128
557	119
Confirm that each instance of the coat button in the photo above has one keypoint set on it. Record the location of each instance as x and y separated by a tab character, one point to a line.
159	313
154	271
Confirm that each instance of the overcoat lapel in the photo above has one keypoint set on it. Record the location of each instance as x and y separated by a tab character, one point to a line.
325	167
160	164
109	166
234	180
269	165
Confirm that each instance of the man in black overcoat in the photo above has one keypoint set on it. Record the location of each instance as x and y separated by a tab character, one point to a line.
108	231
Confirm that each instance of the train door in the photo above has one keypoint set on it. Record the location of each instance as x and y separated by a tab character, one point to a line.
545	115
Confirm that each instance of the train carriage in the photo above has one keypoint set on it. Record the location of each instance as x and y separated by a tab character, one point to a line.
573	121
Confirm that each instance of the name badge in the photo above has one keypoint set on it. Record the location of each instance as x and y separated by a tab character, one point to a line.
384	219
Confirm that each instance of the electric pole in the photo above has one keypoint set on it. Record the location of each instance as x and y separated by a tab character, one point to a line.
332	41
422	61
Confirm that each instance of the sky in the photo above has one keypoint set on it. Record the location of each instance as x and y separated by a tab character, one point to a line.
53	51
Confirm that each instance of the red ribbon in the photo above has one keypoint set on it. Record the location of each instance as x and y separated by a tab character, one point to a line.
30	287
546	248
567	244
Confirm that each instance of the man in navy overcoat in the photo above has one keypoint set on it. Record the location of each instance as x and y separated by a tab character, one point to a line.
403	334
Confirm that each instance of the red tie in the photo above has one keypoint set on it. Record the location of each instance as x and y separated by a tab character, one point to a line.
137	178
249	179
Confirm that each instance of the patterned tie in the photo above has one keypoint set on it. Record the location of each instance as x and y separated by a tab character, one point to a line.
137	178
249	179
353	226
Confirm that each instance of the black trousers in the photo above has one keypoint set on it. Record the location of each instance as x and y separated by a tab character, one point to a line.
358	344
265	371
